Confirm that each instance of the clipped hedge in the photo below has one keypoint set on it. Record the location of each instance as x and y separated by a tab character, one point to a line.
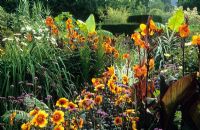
127	28
143	18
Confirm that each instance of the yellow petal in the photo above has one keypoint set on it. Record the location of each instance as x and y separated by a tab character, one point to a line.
143	27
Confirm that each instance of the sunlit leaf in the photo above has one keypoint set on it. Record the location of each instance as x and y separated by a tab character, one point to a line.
82	25
90	23
176	20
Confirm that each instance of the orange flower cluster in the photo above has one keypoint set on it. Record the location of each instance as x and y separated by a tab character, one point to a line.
196	40
109	49
184	30
50	23
140	71
74	37
138	41
152	28
137	37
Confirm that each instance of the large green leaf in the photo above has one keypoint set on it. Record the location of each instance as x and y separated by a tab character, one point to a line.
105	33
176	20
179	92
20	116
82	25
32	102
90	23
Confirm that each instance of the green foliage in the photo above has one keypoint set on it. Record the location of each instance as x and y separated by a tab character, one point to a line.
158	4
5	19
195	29
176	20
85	59
177	119
28	14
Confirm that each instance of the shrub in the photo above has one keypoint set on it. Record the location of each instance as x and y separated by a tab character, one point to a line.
143	18
114	15
5	29
120	28
193	16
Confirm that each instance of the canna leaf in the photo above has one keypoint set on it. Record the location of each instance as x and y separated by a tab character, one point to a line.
176	20
90	23
176	94
20	116
105	33
82	25
31	102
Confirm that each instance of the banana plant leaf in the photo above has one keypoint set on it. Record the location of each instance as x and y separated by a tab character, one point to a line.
178	94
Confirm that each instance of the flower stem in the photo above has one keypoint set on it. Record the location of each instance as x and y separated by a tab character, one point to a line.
183	57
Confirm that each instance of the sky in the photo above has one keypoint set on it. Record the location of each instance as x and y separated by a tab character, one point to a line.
174	2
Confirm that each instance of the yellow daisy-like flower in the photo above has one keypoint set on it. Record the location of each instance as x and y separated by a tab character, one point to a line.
57	117
40	119
99	87
62	102
125	79
73	127
26	126
71	106
96	81
34	112
118	121
86	104
130	111
98	99
58	127
117	90
114	78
